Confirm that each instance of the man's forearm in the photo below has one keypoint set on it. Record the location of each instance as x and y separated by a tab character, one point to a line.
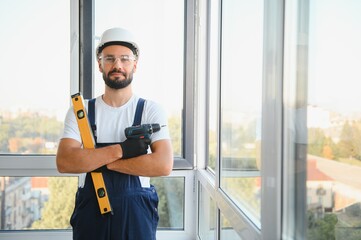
74	159
158	163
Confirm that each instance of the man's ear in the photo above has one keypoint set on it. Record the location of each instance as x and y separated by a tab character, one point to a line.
100	66
135	66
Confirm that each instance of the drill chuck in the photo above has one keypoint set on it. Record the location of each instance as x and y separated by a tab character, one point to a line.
155	127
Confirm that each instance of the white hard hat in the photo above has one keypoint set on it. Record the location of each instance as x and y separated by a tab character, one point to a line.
117	36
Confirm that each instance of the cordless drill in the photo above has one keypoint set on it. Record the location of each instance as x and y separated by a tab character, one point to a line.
142	131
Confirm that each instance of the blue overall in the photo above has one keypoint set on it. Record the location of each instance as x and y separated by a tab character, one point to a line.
134	215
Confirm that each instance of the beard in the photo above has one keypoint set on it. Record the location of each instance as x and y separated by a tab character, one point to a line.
117	83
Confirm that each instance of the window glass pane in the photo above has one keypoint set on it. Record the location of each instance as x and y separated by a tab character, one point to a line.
171	202
34	92
159	74
334	120
29	203
207	215
241	84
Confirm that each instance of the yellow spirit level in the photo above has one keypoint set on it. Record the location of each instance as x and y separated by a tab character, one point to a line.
88	142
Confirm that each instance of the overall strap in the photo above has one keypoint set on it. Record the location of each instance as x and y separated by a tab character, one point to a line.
91	116
139	112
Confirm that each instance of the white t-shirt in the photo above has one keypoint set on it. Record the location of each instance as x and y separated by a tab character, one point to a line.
111	122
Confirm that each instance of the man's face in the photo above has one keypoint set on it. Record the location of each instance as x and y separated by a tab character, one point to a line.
117	64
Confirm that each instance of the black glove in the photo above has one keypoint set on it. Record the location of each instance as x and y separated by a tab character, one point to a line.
134	147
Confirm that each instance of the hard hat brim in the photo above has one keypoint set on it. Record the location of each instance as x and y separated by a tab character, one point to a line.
125	44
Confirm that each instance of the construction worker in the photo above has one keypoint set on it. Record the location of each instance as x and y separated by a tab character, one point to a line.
126	164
